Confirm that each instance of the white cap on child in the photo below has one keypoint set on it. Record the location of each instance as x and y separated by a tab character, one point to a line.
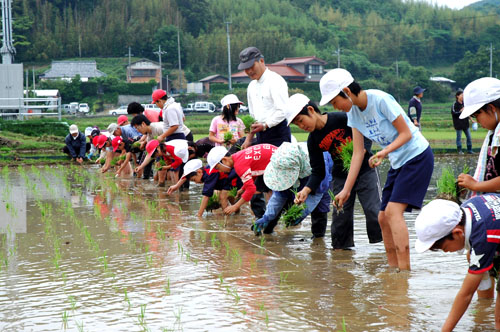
436	220
479	93
332	83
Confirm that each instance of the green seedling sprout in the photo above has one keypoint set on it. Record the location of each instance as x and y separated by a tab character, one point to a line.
228	136
345	151
160	164
248	120
447	187
65	317
332	197
213	203
293	213
167	287
233	192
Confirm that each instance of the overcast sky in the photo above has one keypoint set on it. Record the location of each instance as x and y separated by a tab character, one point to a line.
456	4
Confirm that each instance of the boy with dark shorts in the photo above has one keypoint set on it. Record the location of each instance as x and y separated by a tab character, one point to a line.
475	226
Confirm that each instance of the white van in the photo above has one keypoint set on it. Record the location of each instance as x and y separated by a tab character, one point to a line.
204	106
73	107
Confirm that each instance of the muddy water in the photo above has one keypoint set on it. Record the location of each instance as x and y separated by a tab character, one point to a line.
83	251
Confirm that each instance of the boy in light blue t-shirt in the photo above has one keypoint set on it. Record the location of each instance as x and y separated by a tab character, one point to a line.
377	116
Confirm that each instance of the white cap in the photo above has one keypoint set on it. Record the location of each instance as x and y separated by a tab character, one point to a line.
180	148
73	129
192	166
230	99
112	127
332	83
295	104
479	93
88	131
215	156
436	220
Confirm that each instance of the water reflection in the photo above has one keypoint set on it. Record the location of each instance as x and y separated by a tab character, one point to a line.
114	254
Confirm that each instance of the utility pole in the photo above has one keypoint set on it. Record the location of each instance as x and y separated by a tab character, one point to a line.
7	51
397	77
34	84
129	63
491	59
160	53
229	55
337	52
179	53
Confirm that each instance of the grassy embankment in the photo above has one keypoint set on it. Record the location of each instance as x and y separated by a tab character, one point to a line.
436	123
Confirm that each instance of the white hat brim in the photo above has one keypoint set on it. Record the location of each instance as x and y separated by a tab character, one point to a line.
326	98
422	246
471	109
284	183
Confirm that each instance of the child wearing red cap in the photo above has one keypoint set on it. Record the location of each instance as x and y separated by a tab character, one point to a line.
103	143
120	148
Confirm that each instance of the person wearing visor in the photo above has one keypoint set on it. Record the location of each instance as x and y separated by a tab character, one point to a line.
482	102
267	96
444	225
377	116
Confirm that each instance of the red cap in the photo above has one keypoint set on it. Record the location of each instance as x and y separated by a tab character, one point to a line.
152	145
121	119
115	142
158	94
100	141
95	140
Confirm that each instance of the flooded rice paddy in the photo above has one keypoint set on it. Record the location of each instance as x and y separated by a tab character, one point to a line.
82	251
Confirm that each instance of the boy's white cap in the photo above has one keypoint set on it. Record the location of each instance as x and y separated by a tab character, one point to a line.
180	148
332	83
215	156
295	104
73	129
230	99
112	127
436	220
192	166
88	131
479	93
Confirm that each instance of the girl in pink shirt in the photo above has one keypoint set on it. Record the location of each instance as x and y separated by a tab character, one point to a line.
227	122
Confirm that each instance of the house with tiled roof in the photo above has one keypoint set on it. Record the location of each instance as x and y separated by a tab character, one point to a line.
299	69
212	79
67	70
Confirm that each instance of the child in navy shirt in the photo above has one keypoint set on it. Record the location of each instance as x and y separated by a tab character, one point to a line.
475	226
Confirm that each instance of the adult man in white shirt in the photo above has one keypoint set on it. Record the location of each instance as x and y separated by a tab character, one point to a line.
267	98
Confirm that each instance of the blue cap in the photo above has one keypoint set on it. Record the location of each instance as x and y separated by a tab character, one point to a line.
418	90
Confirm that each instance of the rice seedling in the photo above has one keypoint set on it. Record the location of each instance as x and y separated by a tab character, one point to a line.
262	241
136	145
177	314
114	161
160	164
79	325
65	317
332	197
228	136
167	287
233	192
221	279
283	277
213	203
344	329
215	242
248	121
447	186
72	301
292	214
142	315
345	151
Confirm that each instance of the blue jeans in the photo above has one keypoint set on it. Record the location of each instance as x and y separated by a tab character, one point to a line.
279	200
459	140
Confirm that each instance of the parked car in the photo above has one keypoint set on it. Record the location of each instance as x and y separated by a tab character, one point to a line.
118	111
189	108
204	106
151	107
83	108
243	108
66	108
73	107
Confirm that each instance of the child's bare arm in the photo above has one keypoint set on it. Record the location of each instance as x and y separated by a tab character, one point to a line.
462	300
203	205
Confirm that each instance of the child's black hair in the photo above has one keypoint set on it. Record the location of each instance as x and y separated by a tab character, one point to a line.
355	89
190	175
459	92
135	108
305	110
437	245
192	148
228	112
139	119
495	103
165	97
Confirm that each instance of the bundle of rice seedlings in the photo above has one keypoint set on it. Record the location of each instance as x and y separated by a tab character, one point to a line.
228	136
213	203
447	187
292	214
102	161
136	145
345	154
248	121
233	192
122	157
114	161
160	164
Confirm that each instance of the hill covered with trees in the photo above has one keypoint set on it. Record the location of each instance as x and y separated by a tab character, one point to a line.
393	43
